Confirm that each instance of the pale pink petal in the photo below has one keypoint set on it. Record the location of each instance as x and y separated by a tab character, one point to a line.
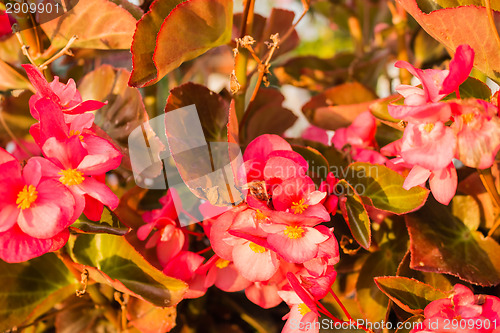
297	250
50	213
102	156
417	176
392	149
315	197
229	279
82	121
264	295
430	112
432	149
443	184
252	265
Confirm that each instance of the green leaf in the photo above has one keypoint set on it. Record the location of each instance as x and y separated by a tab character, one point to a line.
31	288
11	79
456	3
382	188
318	165
371	300
183	31
441	243
467	210
112	260
354	213
109	224
473	88
379	109
436	280
98	24
411	295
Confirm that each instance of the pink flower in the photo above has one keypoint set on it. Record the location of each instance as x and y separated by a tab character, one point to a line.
34	212
317	134
462	312
299	196
301	318
66	96
360	138
431	146
477	128
184	267
443	182
292	239
422	105
72	165
224	275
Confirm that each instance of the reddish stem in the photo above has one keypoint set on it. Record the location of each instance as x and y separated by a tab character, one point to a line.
457	92
204	250
339	302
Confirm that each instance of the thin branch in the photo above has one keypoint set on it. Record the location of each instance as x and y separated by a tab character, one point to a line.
24	47
64	51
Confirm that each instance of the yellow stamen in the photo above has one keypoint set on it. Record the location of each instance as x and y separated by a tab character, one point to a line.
467	118
299	207
429	127
222	263
71	177
259	216
76	133
294	232
26	197
257	248
304	309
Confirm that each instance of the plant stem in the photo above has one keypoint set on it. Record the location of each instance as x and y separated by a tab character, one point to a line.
337	299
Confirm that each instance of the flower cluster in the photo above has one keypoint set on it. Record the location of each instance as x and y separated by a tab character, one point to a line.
262	245
462	312
38	202
439	130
